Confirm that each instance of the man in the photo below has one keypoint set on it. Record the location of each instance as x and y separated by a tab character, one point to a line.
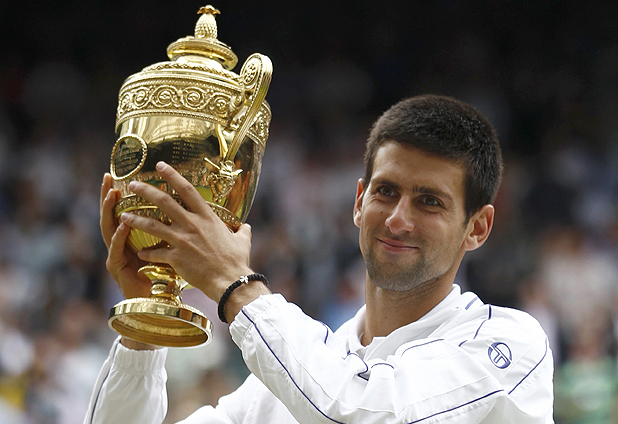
419	351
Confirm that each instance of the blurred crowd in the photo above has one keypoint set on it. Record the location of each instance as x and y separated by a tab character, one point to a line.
545	73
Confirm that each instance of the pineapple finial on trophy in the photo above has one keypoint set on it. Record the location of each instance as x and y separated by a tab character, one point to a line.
204	43
206	26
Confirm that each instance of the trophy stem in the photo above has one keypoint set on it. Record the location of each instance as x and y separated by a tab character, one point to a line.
161	319
166	284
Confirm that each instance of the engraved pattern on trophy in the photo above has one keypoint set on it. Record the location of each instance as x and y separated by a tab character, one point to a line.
259	128
206	100
202	67
193	98
211	125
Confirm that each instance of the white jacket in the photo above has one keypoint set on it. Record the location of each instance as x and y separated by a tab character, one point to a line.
463	362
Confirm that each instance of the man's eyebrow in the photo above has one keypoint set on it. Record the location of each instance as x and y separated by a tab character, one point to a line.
385	181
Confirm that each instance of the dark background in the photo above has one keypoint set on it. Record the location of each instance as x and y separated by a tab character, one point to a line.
544	72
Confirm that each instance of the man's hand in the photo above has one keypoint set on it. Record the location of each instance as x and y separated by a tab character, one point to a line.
121	262
201	247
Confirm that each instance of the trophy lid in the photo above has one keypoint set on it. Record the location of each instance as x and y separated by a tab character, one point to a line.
198	83
204	43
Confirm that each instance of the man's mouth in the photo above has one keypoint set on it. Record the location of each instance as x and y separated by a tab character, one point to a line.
396	245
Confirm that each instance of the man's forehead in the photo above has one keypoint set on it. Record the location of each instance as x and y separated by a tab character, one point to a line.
391	148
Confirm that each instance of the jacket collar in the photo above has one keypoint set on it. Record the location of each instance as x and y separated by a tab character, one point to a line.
447	309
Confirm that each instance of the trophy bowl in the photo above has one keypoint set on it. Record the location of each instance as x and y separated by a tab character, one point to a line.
211	125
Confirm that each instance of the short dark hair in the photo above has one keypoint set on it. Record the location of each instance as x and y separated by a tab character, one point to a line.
448	128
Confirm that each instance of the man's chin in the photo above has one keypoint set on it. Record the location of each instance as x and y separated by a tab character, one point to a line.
397	282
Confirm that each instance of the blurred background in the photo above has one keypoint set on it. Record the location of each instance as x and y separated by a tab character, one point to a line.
545	72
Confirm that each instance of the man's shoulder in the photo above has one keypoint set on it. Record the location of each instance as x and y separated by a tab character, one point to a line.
514	324
508	342
491	321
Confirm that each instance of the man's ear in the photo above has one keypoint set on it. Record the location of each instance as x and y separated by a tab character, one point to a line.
478	228
358	203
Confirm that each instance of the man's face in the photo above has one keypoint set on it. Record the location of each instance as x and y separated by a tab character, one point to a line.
411	217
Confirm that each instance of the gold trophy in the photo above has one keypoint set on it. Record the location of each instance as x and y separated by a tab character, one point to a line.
211	125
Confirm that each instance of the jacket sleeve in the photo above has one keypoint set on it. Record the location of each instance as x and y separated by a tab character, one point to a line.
426	381
130	388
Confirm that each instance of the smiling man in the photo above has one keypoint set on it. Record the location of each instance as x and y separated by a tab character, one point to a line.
419	351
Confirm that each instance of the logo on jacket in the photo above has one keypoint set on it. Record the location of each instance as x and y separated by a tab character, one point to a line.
500	355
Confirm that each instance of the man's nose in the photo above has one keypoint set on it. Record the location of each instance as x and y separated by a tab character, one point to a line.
401	217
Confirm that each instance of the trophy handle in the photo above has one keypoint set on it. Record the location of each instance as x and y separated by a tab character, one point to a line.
255	76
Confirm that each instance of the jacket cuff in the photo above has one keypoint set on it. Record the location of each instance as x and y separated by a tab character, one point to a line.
139	361
250	313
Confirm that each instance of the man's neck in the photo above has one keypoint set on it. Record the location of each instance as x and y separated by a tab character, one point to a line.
388	310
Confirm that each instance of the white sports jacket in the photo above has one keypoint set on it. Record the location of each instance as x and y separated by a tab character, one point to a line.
463	362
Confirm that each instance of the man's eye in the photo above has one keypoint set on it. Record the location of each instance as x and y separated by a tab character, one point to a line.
431	201
386	191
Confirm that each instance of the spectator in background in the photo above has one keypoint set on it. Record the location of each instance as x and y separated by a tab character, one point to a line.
587	384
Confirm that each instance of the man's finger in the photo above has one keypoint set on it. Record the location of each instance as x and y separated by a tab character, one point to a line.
107	222
106	185
244	231
117	244
149	225
161	199
160	256
184	188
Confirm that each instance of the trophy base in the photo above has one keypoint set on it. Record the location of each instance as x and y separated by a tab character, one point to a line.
160	322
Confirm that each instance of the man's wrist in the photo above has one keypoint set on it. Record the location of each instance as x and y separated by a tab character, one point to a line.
221	284
242	294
